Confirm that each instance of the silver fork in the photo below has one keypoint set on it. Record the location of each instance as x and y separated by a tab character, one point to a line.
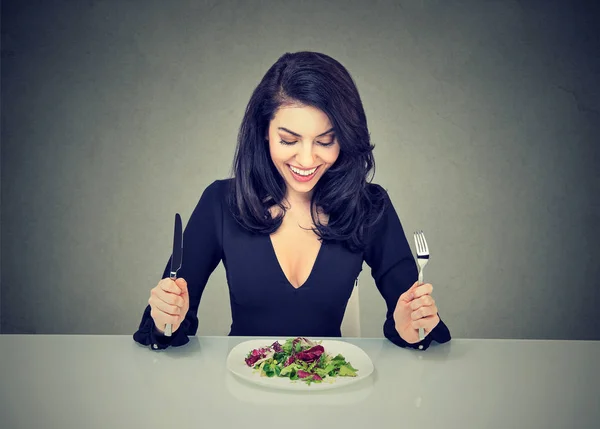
422	259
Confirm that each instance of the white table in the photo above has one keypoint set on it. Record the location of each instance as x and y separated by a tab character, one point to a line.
49	382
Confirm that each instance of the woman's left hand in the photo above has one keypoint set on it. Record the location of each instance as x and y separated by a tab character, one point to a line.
416	309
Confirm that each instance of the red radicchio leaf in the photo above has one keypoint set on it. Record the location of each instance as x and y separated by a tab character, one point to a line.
255	355
303	374
311	354
290	361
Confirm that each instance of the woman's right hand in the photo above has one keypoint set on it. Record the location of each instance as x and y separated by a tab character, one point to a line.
169	302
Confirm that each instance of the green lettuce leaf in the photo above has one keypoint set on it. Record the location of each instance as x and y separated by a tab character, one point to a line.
347	371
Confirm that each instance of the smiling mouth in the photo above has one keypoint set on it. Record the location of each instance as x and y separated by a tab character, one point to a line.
302	175
302	172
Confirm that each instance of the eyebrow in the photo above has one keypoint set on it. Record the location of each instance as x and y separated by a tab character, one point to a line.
298	135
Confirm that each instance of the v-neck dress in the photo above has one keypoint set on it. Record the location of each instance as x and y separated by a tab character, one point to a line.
281	268
263	302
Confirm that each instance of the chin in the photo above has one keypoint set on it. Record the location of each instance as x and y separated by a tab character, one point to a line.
301	188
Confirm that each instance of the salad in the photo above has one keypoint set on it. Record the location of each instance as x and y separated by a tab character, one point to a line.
299	359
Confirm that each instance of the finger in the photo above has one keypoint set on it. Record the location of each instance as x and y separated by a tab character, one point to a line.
169	285
171	310
424	289
423	312
171	298
182	284
424	301
427	323
168	297
161	319
409	294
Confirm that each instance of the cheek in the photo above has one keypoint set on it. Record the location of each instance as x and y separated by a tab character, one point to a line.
279	154
331	155
275	153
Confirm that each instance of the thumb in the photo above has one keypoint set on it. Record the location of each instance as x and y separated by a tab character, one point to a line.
409	294
182	285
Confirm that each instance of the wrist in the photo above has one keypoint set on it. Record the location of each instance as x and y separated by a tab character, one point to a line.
157	330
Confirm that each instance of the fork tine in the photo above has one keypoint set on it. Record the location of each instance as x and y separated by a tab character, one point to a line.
425	247
417	244
421	243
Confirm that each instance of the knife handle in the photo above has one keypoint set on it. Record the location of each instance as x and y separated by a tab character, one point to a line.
169	327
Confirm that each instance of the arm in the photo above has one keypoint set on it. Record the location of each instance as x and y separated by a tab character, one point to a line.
394	270
202	252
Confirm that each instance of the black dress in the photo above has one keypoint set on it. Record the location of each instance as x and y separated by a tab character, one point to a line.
263	302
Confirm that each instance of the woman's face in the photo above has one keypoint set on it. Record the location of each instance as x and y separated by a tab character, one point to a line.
303	146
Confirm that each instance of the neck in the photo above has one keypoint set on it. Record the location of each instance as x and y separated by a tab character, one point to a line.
296	199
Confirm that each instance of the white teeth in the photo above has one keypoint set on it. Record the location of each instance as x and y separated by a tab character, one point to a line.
303	172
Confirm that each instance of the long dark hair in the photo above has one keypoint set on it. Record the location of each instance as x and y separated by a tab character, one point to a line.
317	80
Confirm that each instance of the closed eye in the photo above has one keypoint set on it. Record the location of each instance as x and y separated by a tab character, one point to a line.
326	144
288	143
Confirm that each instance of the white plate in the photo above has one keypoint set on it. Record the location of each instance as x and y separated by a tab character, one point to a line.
244	391
353	354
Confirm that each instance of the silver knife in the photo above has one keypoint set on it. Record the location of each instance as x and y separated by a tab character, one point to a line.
176	258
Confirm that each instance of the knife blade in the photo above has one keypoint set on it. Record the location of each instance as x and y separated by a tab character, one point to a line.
176	258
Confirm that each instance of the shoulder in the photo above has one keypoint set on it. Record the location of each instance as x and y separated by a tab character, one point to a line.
378	198
214	196
217	190
376	190
384	217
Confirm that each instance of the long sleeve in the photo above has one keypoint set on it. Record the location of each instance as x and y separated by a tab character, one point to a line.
394	270
202	252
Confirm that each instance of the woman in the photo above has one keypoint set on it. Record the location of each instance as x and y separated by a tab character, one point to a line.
295	223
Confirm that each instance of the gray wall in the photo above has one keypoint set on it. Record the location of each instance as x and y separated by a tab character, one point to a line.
485	117
1	126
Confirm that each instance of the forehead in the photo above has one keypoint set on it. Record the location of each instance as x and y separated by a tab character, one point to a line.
307	121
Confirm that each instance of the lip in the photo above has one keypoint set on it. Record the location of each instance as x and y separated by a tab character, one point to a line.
299	178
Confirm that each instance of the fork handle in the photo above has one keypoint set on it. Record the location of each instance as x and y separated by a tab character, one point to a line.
421	330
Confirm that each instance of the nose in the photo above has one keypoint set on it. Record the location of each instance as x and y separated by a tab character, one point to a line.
305	156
